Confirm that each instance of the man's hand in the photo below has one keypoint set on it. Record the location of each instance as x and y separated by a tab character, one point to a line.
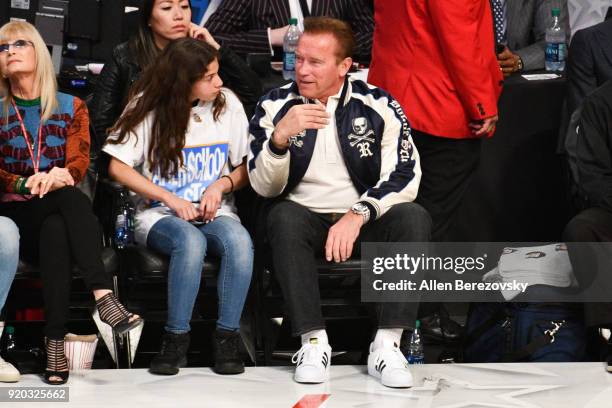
183	208
277	36
342	236
201	33
483	127
297	119
508	62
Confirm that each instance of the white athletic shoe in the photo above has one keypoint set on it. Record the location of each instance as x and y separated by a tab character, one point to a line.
312	363
389	365
8	372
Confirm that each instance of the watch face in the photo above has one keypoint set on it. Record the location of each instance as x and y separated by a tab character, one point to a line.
360	208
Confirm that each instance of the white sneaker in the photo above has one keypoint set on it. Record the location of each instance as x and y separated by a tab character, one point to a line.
8	372
390	366
312	363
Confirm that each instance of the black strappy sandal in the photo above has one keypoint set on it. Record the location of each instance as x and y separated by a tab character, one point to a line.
113	313
57	364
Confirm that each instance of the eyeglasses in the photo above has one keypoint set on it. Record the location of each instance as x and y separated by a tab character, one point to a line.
19	44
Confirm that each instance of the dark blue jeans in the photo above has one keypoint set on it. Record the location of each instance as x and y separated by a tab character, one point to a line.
297	237
187	245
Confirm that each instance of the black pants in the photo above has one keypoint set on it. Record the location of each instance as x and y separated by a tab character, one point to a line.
55	231
297	237
447	166
591	225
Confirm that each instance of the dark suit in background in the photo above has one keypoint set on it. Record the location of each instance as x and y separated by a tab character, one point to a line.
526	22
590	62
243	24
594	178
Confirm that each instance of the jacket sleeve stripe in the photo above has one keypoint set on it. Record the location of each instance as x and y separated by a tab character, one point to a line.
256	129
400	170
258	134
268	170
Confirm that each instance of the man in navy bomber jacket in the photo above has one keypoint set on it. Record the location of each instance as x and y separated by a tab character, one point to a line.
337	155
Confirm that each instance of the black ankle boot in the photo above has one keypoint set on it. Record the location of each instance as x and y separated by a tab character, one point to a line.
173	354
227	352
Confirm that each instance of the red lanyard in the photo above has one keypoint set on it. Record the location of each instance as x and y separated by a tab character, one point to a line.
35	163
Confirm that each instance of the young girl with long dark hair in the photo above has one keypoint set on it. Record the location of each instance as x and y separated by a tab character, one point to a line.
180	146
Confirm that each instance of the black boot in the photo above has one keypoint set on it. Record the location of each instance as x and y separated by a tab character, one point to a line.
173	354
227	352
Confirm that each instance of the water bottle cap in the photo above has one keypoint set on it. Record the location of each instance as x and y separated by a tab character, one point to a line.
418	324
10	330
556	12
293	21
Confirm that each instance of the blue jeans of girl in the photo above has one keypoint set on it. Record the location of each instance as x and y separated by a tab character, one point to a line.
187	245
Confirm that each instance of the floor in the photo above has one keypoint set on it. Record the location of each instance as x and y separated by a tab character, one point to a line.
526	385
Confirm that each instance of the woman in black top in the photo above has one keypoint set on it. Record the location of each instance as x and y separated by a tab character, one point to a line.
161	22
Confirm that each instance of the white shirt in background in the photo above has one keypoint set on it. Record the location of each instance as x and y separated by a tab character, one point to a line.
296	12
213	5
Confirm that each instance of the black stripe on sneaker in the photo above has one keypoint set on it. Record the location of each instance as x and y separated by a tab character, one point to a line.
325	360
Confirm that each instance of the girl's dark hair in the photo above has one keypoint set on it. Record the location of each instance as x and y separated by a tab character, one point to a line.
142	44
164	90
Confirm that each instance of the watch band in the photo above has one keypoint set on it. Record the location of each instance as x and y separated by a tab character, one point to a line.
363	210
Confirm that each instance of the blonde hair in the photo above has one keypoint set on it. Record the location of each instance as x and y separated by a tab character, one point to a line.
44	76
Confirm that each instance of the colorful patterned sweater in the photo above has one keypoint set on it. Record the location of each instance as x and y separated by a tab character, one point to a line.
65	142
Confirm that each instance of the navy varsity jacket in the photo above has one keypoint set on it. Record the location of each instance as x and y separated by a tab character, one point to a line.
374	134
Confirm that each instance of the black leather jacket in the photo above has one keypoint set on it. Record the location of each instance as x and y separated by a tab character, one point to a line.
122	70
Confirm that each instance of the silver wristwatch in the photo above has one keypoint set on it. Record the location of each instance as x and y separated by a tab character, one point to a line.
363	210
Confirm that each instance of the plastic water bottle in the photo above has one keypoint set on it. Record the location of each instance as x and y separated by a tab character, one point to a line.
124	223
290	43
556	47
415	350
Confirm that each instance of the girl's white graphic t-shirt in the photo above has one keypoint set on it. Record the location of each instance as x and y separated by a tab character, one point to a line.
212	149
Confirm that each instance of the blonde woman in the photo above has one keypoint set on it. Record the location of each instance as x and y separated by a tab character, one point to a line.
44	153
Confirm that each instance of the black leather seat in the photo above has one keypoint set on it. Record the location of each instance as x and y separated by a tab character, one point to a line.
144	264
110	259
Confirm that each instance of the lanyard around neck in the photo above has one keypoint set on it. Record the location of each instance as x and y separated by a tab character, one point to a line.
35	162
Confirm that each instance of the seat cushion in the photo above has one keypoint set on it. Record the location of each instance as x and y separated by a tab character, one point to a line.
343	268
26	270
146	264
